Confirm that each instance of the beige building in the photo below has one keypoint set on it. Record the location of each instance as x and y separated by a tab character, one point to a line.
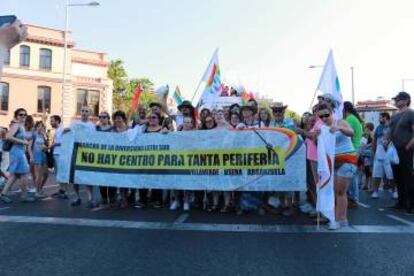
33	73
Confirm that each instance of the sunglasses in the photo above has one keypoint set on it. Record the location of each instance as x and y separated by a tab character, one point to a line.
324	116
103	117
22	115
278	110
153	117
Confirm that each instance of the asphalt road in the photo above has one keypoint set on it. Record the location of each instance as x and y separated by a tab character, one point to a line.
49	237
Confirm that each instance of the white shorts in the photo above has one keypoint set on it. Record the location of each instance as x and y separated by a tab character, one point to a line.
382	169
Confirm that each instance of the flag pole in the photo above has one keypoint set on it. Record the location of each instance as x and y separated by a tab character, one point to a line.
203	77
313	98
318	214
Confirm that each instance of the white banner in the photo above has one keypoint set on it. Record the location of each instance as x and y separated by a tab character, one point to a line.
188	160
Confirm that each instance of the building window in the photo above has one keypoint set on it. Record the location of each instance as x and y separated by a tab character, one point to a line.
4	96
89	98
7	58
45	59
43	99
24	56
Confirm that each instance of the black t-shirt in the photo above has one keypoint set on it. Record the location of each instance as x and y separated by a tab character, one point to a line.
402	128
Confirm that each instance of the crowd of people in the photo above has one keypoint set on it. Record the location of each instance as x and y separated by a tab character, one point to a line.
365	158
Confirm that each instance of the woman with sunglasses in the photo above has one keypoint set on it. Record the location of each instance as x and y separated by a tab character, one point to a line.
345	163
154	126
29	127
108	194
119	126
19	167
39	158
187	125
221	122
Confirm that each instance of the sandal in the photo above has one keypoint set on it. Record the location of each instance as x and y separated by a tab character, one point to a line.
213	208
225	209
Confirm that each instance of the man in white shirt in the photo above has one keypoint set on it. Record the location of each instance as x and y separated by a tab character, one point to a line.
56	123
83	125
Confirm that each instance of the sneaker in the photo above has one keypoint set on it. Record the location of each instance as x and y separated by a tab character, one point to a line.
288	212
274	201
175	205
305	208
39	195
375	195
5	199
186	206
139	205
395	195
343	223
90	204
63	196
313	213
261	212
27	199
333	225
76	202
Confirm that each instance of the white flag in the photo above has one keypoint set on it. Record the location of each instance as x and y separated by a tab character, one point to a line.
210	84
326	156
329	83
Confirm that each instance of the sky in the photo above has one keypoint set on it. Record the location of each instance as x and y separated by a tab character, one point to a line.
266	45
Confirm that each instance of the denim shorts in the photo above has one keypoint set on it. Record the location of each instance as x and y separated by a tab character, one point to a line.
346	170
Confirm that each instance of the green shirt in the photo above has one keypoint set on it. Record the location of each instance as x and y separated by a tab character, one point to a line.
357	128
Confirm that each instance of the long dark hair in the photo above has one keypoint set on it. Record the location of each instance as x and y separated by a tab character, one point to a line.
29	123
349	108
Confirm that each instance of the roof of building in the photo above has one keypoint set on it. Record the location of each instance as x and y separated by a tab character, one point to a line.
375	105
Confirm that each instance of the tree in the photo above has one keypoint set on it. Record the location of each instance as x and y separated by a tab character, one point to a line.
147	95
124	89
293	115
118	75
266	103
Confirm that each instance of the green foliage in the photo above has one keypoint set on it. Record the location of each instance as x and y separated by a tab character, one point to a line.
266	103
292	114
124	89
118	75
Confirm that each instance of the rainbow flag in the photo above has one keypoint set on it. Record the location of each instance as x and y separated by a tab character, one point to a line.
212	80
244	96
177	96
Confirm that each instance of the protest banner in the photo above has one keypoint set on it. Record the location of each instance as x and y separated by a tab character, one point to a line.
222	102
187	160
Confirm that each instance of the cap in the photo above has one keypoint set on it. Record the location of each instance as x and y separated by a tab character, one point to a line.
402	96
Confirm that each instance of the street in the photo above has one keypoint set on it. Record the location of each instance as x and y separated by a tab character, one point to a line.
50	237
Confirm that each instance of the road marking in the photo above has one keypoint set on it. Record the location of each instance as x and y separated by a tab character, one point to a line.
407	222
182	218
363	205
47	198
96	209
4	208
207	227
51	186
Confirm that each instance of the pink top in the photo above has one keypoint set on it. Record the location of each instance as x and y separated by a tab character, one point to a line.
311	148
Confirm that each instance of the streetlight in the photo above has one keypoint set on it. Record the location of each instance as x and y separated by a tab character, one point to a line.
402	83
352	85
66	94
352	82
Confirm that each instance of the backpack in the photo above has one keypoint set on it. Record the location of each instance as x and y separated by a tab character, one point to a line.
7	144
